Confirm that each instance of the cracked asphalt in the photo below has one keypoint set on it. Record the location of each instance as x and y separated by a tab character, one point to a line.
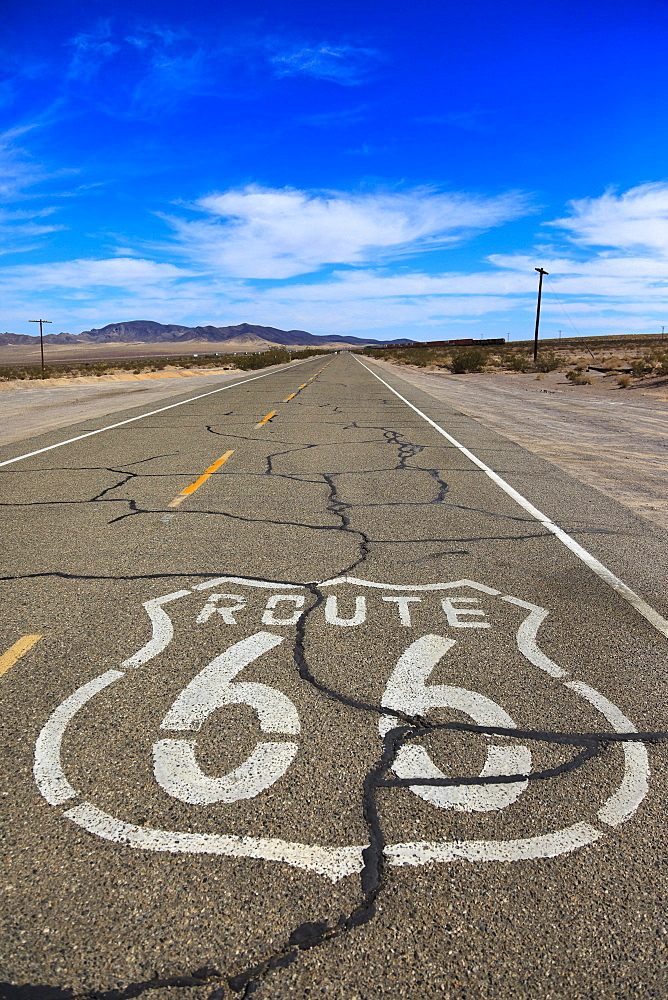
347	721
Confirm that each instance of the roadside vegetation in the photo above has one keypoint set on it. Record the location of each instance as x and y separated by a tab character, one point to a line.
579	359
142	366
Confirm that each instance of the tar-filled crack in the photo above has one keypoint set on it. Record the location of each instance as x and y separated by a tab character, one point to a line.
316	933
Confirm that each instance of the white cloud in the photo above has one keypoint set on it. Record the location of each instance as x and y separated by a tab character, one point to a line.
91	50
256	232
263	233
120	272
345	64
635	220
342	118
18	173
17	169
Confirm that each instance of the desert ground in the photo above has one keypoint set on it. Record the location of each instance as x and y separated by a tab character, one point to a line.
54	353
612	438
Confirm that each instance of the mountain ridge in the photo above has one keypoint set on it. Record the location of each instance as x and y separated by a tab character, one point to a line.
150	332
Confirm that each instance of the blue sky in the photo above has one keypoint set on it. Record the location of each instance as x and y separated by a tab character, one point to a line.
375	168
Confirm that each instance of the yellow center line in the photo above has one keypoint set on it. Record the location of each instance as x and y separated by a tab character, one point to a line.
288	398
16	651
265	420
303	386
202	479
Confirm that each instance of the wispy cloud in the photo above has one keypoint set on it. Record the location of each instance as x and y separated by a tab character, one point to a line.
253	233
343	118
18	170
176	66
19	175
348	65
256	232
135	71
91	50
636	220
473	120
616	247
113	272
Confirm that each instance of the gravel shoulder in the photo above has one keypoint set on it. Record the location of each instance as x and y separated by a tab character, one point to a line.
615	440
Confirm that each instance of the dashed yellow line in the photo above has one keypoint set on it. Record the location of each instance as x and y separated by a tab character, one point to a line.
288	398
202	479
15	652
181	497
265	420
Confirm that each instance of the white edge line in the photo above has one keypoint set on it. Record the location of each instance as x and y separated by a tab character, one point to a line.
151	413
641	606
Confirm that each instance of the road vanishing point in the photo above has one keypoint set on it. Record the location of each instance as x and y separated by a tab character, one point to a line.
313	686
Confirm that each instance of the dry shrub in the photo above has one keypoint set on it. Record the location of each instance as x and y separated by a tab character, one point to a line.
624	381
516	362
547	363
470	359
578	377
640	367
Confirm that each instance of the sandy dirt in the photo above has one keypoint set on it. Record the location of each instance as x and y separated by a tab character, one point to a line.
12	354
28	408
613	439
121	376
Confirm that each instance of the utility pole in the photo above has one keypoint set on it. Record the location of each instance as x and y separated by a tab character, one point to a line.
41	338
541	272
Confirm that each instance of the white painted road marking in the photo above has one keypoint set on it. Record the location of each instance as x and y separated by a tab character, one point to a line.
177	771
212	688
332	863
634	787
163	630
641	606
175	766
151	413
408	692
48	770
335	863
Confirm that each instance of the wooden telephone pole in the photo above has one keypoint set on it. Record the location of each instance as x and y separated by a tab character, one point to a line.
541	272
41	338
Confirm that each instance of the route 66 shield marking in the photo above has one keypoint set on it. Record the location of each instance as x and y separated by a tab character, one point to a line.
430	626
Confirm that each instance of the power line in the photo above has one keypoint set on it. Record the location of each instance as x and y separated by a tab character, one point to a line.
563	309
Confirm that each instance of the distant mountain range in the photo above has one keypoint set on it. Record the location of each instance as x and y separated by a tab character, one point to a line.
245	335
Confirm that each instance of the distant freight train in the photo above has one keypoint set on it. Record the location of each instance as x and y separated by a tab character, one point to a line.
466	342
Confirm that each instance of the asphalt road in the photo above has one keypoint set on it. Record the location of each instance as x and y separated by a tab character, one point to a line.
261	681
